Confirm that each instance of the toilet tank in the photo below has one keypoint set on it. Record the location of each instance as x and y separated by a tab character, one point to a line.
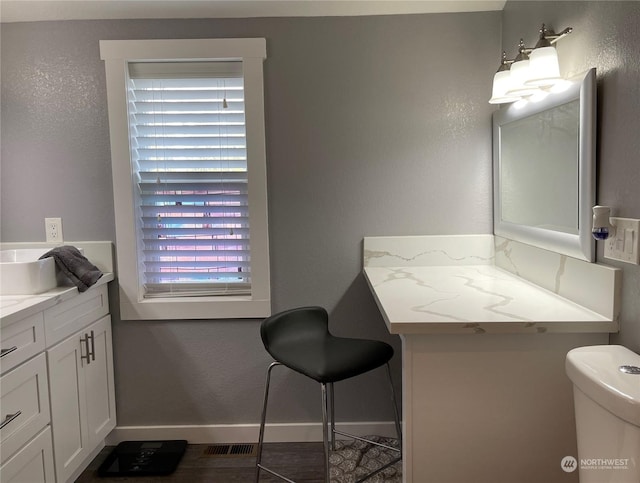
607	410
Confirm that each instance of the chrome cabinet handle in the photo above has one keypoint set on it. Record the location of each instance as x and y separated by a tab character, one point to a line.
87	355
8	351
90	347
93	346
10	417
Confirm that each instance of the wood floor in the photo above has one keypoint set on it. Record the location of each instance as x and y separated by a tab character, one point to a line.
301	462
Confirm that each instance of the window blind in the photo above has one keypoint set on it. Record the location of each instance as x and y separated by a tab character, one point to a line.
189	162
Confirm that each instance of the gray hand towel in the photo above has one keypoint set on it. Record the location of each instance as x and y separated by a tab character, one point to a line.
75	265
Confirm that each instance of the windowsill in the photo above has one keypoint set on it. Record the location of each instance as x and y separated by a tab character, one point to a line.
198	308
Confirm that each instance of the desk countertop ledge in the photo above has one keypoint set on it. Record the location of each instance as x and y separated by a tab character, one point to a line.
453	284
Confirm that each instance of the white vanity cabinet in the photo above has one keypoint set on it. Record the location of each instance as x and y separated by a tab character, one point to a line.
57	386
82	395
80	380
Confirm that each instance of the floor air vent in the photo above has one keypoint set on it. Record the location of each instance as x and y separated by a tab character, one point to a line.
230	450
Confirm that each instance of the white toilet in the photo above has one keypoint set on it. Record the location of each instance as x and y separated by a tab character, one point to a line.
606	391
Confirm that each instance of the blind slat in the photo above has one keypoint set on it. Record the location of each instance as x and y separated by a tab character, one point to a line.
220	176
152	245
185	75
193	232
191	142
170	132
201	166
232	152
187	96
221	192
172	118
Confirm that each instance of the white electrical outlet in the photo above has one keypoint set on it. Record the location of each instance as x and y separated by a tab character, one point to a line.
53	230
624	245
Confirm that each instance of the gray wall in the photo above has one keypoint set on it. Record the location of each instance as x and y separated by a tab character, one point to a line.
606	36
375	126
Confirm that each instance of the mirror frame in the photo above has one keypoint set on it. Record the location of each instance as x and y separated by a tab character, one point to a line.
582	245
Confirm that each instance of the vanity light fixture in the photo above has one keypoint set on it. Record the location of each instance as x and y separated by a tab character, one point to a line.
602	227
532	74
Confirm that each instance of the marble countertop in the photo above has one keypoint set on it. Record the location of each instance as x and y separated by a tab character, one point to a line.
15	307
473	299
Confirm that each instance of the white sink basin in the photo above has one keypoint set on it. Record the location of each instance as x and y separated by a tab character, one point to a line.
21	273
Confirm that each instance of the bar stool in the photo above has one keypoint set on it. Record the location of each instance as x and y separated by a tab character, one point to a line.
300	340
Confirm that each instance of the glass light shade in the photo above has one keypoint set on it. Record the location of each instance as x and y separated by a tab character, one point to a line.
544	70
520	73
561	86
539	96
501	84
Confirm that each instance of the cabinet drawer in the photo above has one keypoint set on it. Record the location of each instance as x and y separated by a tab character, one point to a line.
24	399
74	314
33	463
21	340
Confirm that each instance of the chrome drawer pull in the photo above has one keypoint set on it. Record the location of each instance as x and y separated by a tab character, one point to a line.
9	417
86	357
6	352
93	346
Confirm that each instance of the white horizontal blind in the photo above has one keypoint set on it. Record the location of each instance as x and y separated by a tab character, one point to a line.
189	159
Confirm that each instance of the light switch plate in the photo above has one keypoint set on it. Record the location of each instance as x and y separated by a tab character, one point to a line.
625	244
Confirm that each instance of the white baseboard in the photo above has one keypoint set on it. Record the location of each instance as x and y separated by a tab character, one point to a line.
245	433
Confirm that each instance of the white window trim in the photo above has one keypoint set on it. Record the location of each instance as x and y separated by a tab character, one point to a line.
117	54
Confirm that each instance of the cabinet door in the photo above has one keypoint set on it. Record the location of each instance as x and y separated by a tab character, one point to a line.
68	405
101	405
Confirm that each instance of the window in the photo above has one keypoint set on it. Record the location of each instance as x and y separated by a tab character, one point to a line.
189	159
186	120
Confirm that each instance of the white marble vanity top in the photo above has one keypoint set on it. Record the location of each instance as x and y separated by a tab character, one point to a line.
16	307
452	285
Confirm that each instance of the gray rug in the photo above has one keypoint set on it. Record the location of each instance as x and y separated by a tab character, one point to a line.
353	460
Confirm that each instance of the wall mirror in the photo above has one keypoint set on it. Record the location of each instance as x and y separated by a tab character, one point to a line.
544	170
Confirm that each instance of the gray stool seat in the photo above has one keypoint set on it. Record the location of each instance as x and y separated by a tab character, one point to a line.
300	340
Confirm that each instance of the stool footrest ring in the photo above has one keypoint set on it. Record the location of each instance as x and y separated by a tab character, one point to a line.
382	468
352	436
278	475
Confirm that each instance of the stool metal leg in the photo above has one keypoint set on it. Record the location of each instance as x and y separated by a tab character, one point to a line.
325	432
333	417
396	413
262	424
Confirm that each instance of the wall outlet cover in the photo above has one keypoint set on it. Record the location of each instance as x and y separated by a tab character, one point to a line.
53	230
